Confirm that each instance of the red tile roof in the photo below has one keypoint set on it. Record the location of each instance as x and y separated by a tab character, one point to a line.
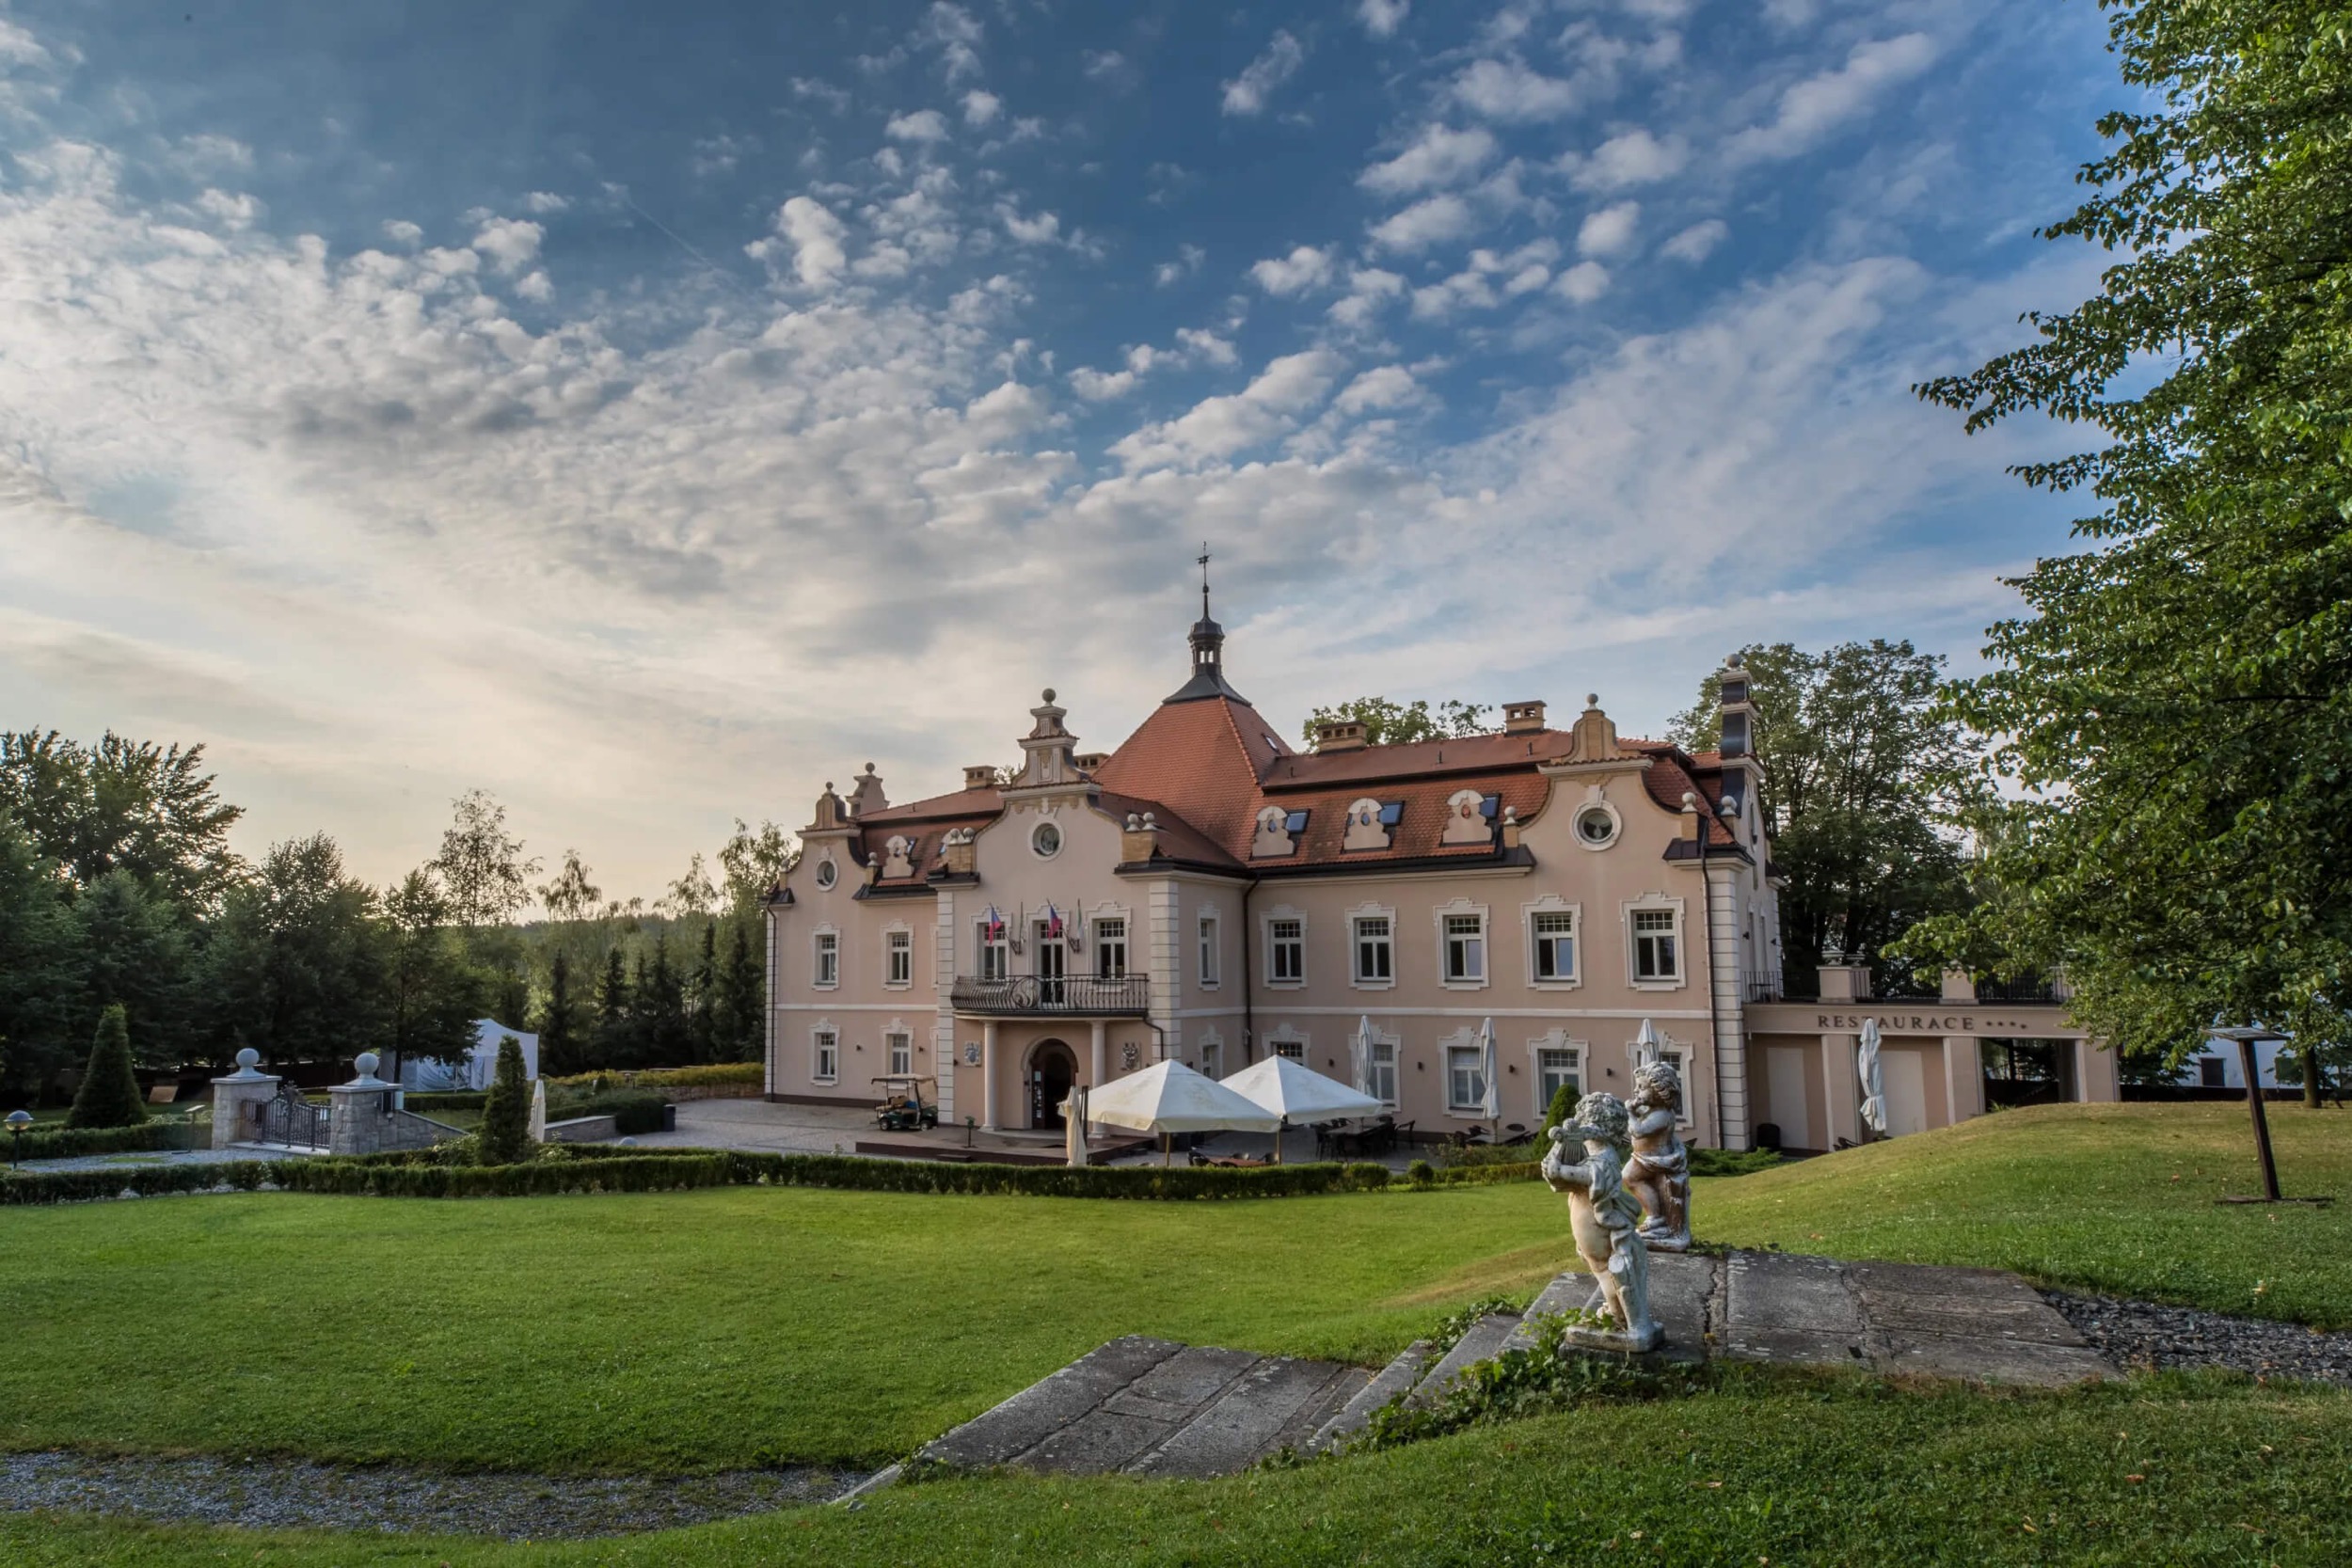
1202	759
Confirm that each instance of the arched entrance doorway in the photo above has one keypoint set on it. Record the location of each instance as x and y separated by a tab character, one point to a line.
1053	1067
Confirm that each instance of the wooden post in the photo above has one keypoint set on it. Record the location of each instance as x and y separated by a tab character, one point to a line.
2261	1121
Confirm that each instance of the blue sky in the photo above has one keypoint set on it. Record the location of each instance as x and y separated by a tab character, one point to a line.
651	413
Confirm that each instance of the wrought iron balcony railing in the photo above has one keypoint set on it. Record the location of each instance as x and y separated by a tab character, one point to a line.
1029	995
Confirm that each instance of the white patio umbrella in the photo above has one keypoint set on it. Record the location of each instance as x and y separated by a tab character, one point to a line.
1298	1094
1490	1103
1168	1097
1074	1126
1646	1045
1360	1051
1874	1078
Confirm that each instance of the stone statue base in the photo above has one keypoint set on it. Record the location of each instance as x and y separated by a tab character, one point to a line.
1667	1243
1641	1342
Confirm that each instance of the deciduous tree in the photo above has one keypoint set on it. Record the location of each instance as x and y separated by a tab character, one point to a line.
1387	723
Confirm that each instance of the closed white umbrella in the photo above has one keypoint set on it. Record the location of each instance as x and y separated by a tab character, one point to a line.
1874	1078
1359	1050
1074	1126
1490	1103
1168	1097
1645	1044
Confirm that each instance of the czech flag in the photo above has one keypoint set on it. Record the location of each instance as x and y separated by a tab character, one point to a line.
1053	922
995	926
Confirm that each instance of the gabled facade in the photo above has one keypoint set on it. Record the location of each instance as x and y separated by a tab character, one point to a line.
1205	892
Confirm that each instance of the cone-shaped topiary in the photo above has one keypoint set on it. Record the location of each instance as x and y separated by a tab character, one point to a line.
1562	1109
506	1111
109	1095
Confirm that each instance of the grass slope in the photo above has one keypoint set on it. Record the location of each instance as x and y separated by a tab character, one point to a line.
681	1330
1780	1471
2117	1198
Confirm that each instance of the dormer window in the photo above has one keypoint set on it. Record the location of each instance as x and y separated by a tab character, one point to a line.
1370	823
1278	832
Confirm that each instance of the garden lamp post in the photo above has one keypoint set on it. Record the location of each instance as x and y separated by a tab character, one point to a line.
2245	1036
20	1122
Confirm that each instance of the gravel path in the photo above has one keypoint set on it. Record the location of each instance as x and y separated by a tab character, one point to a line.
286	1494
2143	1334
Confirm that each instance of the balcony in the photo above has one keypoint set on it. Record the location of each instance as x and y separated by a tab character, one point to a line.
1032	996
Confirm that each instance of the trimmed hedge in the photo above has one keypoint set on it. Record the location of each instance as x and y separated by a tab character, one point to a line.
677	1171
53	1142
631	1113
1480	1176
665	1077
425	1102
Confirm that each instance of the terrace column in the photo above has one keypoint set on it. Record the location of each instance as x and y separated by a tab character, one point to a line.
1102	1055
2096	1080
988	1074
238	1098
1963	1077
1841	1083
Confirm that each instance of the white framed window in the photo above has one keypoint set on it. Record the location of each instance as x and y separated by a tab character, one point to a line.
1598	825
1286	950
827	965
995	956
1557	1068
1209	956
1212	1056
1654	932
898	1050
825	1065
1464	1078
1294	1050
1463	957
1110	948
1045	840
899	959
1372	948
1381	1069
1551	946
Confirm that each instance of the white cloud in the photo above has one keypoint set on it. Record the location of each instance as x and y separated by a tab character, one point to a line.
1386	387
1381	17
1609	231
1247	93
1197	343
956	35
1219	427
1582	283
401	232
981	108
833	98
1628	160
923	125
1434	221
816	237
535	287
1696	242
233	211
1490	279
509	243
1368	288
1187	261
1508	90
1044	229
1438	156
546	201
1101	386
1818	104
1098	66
1306	267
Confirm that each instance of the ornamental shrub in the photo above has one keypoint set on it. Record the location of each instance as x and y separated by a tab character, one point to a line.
1563	1108
1420	1173
505	1132
109	1095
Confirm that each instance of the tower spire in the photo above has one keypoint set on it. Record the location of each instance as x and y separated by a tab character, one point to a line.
1208	648
1205	579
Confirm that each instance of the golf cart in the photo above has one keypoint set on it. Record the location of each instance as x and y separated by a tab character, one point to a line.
905	1107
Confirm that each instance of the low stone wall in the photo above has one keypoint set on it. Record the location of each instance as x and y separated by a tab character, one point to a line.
583	1130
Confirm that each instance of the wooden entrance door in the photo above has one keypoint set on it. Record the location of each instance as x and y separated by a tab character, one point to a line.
1053	1068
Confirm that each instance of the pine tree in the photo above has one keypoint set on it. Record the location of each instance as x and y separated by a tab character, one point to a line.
668	1039
559	1024
1562	1109
506	1110
109	1095
612	993
702	1000
742	995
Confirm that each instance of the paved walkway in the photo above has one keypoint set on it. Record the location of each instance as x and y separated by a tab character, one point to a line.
1156	1408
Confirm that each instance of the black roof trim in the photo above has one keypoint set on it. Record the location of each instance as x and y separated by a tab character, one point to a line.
1204	684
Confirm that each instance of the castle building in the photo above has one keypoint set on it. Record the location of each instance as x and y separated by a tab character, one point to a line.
1208	894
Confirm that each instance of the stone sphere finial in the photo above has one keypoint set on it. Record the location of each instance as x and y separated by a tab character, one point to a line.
828	787
1690	800
1591	699
870	767
366	1062
248	1059
1049	693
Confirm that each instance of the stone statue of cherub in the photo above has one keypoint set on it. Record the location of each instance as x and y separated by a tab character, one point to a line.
1605	1220
1658	1173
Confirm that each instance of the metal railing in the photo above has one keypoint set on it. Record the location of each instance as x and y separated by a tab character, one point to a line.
2028	990
1028	994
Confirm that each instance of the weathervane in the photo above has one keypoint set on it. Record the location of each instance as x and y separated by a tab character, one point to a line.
1205	579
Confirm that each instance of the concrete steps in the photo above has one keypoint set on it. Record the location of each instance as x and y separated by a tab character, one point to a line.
1395	1378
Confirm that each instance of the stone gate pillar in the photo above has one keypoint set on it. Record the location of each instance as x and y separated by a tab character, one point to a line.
359	1113
238	1098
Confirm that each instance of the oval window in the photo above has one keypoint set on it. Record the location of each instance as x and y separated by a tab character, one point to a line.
1596	826
827	873
1046	841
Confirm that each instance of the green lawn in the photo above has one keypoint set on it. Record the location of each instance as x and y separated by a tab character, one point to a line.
692	1330
2118	1198
1784	1471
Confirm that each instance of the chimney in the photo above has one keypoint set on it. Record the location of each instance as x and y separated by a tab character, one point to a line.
1340	735
1737	713
1523	718
980	775
960	855
1139	840
1693	828
1087	762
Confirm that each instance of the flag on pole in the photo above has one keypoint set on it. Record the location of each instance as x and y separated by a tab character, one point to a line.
1053	923
994	924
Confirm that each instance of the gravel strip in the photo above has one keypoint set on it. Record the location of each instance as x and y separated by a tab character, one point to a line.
2187	1339
287	1494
